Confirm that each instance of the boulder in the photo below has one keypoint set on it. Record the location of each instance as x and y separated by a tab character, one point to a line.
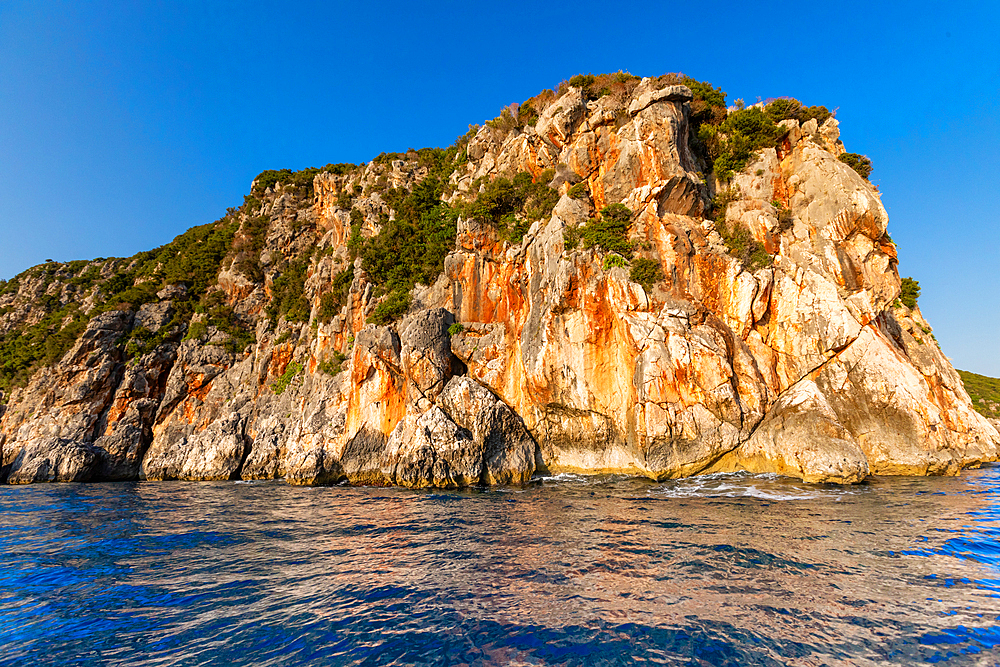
54	460
803	437
430	450
507	449
214	453
557	122
152	316
426	353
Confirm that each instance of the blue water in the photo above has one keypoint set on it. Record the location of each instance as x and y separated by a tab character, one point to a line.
724	570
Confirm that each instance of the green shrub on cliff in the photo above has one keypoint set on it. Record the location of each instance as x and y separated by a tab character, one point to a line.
733	143
340	286
858	163
609	232
726	141
909	292
291	371
785	108
333	365
192	258
392	308
196	331
411	247
646	272
328	307
613	261
41	344
580	191
288	297
512	204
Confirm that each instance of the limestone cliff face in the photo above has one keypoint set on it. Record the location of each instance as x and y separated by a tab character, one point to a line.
532	356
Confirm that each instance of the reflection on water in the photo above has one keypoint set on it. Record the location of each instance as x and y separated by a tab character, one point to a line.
719	570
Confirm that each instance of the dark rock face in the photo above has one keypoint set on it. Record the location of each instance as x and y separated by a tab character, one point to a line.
527	353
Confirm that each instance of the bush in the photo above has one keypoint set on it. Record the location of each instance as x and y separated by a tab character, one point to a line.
614	260
340	169
609	232
580	191
731	145
617	213
725	142
513	204
142	341
392	308
335	365
742	245
785	108
41	344
909	292
506	121
329	307
288	294
281	384
455	329
646	272
571	237
858	163
196	331
341	285
356	241
410	248
596	86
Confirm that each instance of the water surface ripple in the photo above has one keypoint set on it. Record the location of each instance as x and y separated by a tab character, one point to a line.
721	570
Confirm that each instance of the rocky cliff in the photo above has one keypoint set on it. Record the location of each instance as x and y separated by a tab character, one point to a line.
627	278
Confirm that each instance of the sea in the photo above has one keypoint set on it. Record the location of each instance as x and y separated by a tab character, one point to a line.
729	569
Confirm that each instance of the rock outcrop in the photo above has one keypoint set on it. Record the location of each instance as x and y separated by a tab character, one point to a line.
526	353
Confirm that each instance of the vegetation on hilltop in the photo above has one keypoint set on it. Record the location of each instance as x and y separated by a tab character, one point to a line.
301	180
192	259
984	392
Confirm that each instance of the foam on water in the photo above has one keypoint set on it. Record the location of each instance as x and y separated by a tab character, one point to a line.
745	485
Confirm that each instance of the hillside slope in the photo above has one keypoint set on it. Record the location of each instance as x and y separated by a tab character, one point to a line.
616	276
985	394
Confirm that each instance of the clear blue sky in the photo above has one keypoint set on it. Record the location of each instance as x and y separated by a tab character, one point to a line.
124	123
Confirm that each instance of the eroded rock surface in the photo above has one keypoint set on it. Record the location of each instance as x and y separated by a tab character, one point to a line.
528	355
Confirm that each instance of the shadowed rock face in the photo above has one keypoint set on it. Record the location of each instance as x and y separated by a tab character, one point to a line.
54	460
532	356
